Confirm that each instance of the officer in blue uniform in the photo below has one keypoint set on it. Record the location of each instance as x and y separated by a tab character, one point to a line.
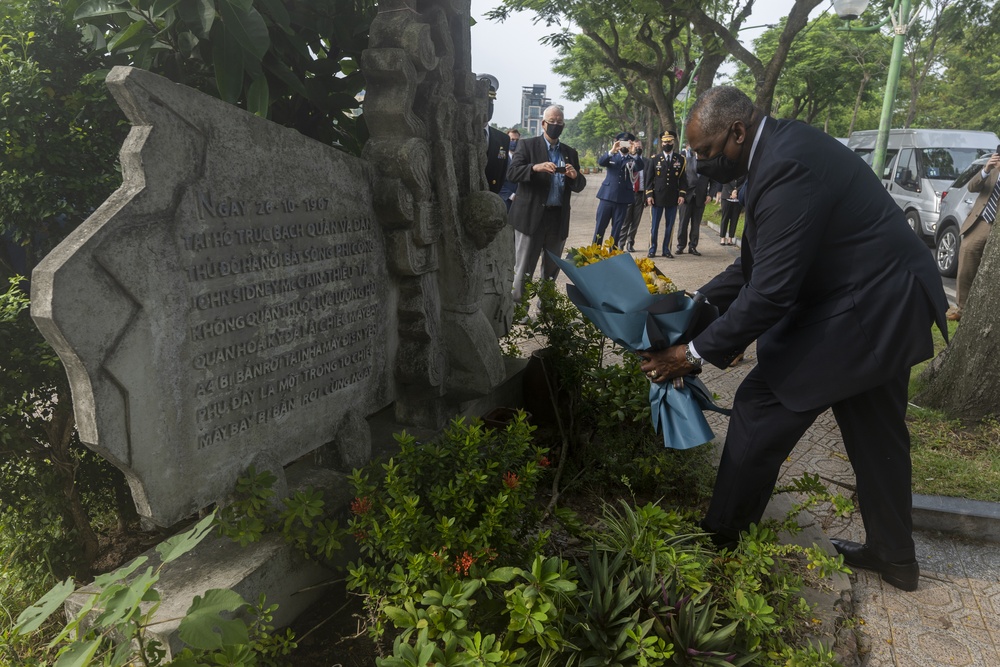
616	192
666	184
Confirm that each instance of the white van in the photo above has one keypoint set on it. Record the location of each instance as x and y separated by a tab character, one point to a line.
919	164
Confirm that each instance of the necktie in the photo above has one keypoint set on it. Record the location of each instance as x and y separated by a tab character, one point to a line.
990	211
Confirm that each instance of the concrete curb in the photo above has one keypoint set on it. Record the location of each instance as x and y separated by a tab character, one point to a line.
972	519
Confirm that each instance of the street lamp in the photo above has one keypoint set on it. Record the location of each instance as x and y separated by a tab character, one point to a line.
852	9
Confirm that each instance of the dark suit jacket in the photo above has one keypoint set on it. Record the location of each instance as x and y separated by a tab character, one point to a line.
837	290
533	187
618	185
497	149
666	181
698	191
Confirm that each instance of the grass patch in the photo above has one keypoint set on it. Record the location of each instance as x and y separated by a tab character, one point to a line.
952	458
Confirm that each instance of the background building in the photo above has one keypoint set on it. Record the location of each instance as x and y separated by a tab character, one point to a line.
533	103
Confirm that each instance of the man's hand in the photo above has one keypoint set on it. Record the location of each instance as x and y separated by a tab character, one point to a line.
649	201
663	365
544	167
570	172
993	161
680	200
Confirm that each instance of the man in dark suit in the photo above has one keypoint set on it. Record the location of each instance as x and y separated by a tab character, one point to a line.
840	296
976	230
689	229
509	189
616	193
497	142
665	177
546	172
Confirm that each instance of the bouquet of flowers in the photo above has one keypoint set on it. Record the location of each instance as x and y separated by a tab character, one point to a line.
631	302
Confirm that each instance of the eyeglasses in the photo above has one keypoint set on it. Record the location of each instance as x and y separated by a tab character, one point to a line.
549	122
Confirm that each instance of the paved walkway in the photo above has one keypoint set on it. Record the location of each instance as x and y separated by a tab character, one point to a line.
954	616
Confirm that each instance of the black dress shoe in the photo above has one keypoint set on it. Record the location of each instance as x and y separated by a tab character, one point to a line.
720	541
631	248
666	253
695	252
680	251
901	575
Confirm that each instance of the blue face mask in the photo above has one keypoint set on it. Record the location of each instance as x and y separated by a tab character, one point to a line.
513	145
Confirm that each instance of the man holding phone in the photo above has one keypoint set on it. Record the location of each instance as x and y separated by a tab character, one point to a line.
617	191
976	230
547	173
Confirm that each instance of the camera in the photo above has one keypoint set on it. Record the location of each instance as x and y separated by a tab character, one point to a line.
560	170
998	148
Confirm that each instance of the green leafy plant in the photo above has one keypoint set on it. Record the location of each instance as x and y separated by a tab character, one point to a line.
303	518
112	626
453	507
297	64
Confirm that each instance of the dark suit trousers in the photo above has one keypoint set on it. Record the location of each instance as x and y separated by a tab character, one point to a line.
632	219
613	212
690	215
762	433
730	218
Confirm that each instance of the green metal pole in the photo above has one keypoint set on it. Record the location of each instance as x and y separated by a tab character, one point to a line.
895	64
680	139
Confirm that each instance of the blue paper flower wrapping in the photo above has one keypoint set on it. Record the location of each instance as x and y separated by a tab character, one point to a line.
613	295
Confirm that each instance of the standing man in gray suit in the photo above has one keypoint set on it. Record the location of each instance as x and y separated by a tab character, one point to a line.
547	173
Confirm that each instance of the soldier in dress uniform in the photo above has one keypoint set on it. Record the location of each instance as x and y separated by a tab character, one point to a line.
665	177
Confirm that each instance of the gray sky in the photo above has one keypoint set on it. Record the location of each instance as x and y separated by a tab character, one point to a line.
512	52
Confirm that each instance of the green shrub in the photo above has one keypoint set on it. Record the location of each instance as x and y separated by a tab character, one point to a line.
51	486
443	510
112	626
604	428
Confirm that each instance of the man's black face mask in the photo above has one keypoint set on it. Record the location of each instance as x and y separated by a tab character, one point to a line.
720	167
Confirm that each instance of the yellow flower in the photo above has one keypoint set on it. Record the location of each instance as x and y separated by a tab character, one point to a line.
656	282
594	253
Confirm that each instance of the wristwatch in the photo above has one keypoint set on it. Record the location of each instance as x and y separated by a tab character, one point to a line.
690	358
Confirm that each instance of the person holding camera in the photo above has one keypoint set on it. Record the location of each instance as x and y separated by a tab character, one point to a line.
617	191
546	172
976	230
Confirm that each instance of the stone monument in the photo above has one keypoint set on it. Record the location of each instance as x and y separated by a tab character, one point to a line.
249	295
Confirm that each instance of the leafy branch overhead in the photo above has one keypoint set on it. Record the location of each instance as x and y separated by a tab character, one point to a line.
295	63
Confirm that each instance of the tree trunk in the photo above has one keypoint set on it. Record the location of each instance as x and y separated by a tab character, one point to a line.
857	100
60	435
709	67
964	382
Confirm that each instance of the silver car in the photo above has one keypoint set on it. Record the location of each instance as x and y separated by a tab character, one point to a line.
956	203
